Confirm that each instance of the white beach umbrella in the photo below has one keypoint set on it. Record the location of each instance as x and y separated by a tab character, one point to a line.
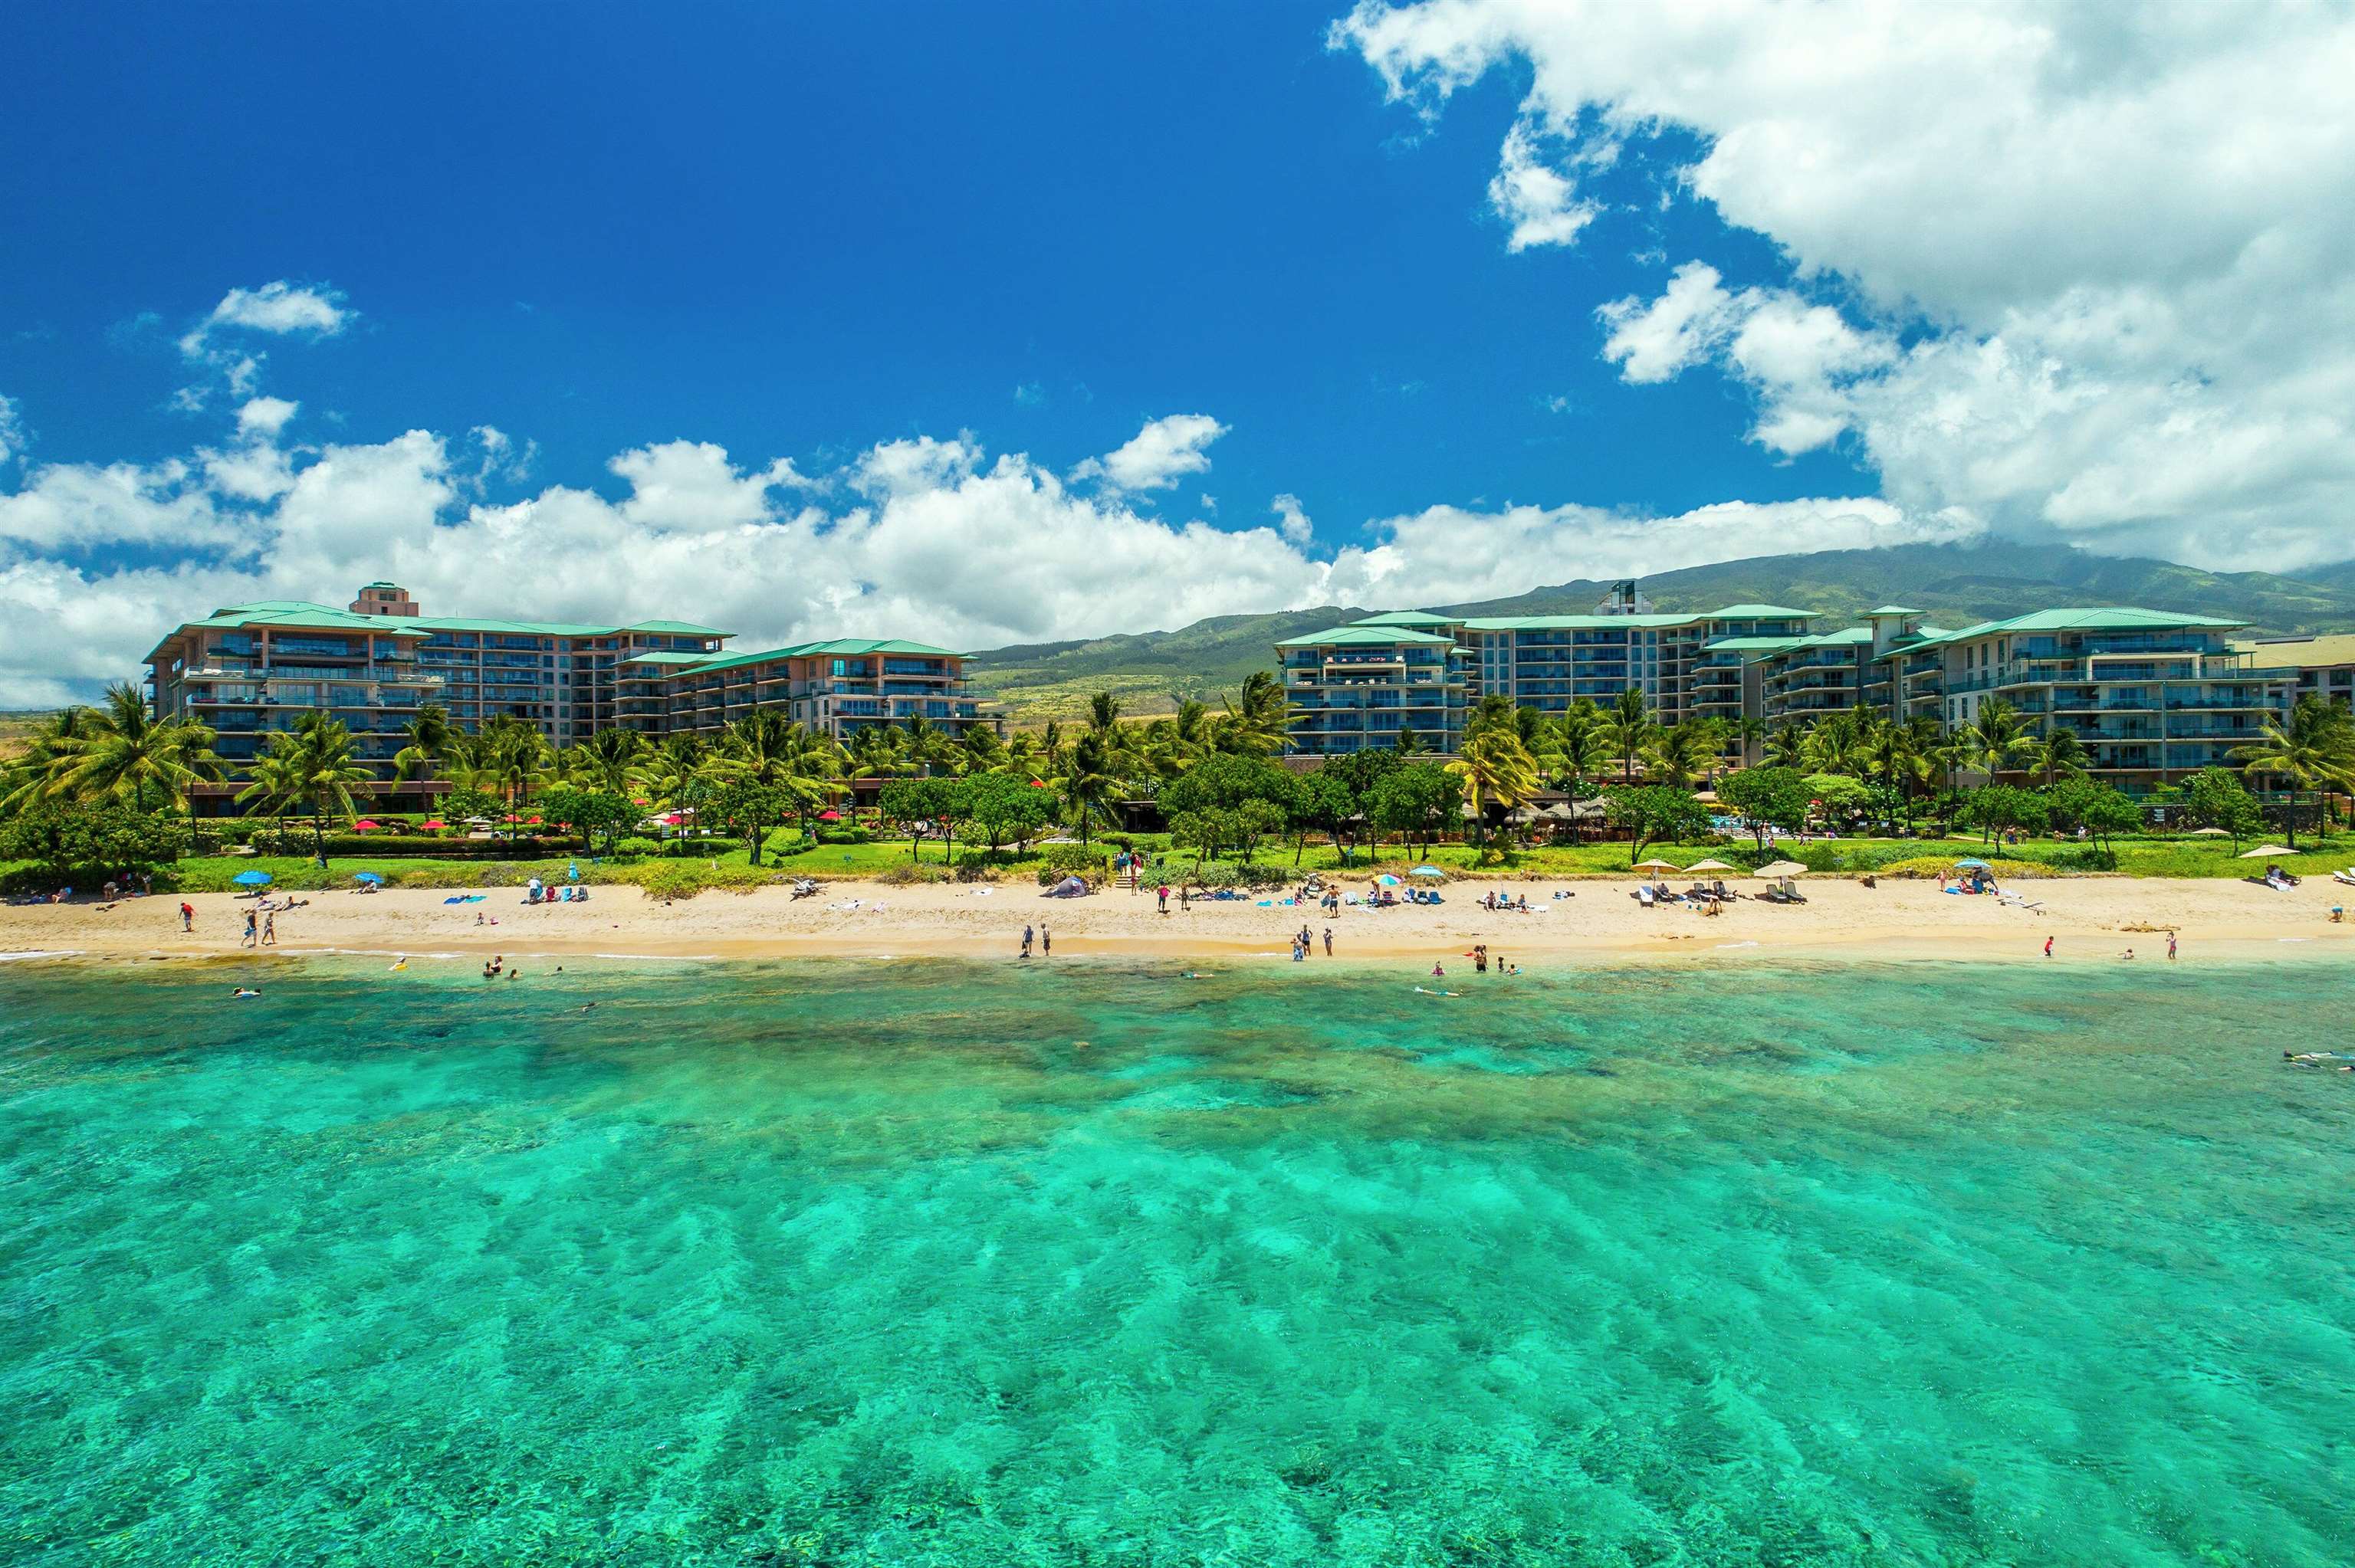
2210	833
1709	866
1780	868
2265	851
1657	865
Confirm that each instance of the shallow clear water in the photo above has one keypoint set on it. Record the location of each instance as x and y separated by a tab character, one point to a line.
851	1263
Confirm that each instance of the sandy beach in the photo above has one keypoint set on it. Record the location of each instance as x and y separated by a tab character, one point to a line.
2088	917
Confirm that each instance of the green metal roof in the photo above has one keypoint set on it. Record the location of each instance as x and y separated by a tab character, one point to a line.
1892	610
677	628
299	613
666	657
1763	613
835	647
1366	637
2123	617
1406	617
1577	622
1846	636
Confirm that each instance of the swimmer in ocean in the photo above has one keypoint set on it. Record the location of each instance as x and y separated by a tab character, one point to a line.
245	990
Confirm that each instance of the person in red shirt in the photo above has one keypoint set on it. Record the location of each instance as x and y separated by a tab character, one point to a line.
187	915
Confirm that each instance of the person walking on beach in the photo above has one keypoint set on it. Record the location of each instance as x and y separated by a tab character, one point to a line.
2048	946
2171	947
1161	894
252	930
1046	942
187	915
269	929
1328	941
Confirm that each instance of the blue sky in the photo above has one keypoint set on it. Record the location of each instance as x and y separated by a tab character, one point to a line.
1730	308
803	233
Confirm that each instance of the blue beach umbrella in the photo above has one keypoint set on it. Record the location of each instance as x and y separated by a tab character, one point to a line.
1427	871
365	876
1386	880
251	878
1973	865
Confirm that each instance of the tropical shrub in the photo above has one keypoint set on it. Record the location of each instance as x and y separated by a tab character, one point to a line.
633	847
1088	862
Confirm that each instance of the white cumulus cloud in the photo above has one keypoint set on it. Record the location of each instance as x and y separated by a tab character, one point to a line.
1158	456
2078	270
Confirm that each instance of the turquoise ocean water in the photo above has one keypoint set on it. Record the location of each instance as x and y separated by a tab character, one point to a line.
946	1263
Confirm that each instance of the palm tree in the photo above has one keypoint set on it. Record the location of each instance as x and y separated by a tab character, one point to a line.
926	743
314	765
1683	752
1255	727
1104	713
507	757
1786	747
767	748
28	775
610	759
1497	770
1999	738
128	756
2059	755
429	733
1628	726
275	778
2313	750
1090	787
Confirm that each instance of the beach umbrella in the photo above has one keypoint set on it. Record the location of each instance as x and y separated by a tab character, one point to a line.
1386	880
2265	850
365	876
251	878
364	826
1973	865
1780	868
1709	866
2210	833
1427	871
1657	864
829	815
434	822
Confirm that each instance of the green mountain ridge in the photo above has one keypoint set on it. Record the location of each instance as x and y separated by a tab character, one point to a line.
1953	585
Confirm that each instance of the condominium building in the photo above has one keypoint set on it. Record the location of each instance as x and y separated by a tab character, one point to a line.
839	687
1352	688
250	670
2324	665
1545	661
2153	694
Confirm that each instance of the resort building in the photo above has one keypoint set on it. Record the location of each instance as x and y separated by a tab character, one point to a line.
838	687
2324	666
252	670
1352	688
1545	661
2155	695
249	669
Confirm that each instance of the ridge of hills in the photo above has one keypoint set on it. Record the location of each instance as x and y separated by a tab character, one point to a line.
1953	585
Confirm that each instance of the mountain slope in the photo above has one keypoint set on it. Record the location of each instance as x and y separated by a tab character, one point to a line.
1954	585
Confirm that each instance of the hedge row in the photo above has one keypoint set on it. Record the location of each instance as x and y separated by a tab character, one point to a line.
420	845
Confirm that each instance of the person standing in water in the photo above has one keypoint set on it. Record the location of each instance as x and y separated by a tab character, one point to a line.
2171	947
1026	938
2048	946
1046	942
1328	941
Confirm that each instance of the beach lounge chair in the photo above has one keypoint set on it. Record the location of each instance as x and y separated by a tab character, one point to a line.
1644	896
